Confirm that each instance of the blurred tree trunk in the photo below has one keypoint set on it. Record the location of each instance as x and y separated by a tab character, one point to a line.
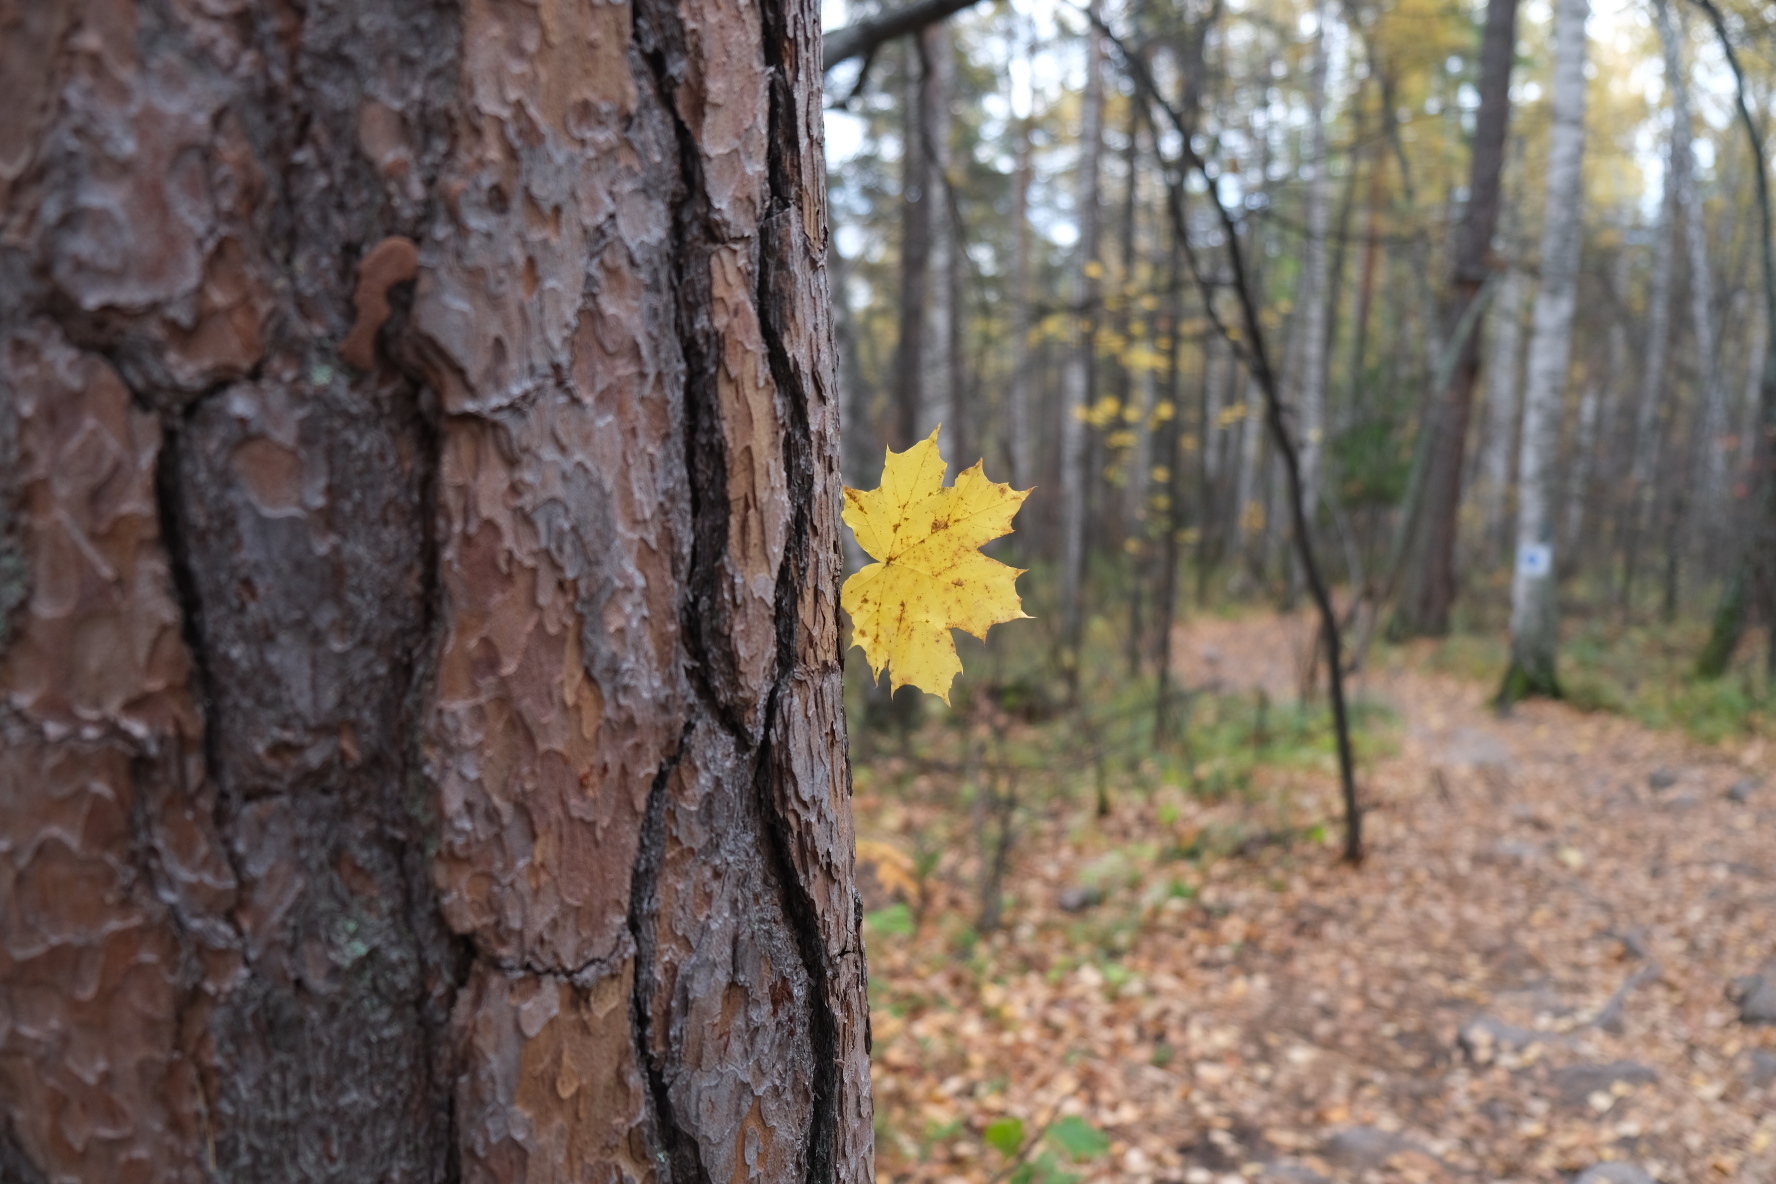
919	204
1578	489
1496	445
1753	579
1312	300
421	744
1754	375
1535	617
1077	381
1018	399
938	387
1649	432
1431	587
1708	468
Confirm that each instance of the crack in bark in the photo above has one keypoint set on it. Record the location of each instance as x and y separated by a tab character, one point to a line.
713	668
453	952
705	621
679	1155
182	581
775	281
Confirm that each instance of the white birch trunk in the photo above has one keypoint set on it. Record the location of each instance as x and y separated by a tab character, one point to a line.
1534	609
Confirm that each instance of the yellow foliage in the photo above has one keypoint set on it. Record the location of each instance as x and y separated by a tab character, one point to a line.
894	868
930	577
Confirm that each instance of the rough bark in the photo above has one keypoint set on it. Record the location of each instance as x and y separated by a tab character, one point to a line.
1431	590
421	743
1535	617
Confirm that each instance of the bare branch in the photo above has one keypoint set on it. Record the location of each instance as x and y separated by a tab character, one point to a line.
862	38
1249	345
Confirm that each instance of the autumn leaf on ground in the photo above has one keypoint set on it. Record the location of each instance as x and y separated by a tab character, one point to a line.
930	577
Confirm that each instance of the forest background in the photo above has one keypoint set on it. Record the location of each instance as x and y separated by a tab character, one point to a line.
1487	284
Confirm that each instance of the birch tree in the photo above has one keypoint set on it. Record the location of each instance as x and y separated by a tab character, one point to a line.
1535	619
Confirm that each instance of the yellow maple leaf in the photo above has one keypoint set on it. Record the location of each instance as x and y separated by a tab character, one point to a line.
929	578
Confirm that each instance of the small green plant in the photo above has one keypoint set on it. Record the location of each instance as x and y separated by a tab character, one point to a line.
1039	1160
894	921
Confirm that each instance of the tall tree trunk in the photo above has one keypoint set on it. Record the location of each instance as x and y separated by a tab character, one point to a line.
1754	375
422	754
1535	620
1171	453
1076	382
1708	470
1312	300
1496	445
1643	474
920	203
1754	569
1578	490
1372	219
937	385
860	448
1022	425
1431	590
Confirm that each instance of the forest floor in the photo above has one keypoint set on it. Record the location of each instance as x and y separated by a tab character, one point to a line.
1547	962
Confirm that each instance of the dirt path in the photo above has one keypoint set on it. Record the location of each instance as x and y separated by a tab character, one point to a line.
1534	974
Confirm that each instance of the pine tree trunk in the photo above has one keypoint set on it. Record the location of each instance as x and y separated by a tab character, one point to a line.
422	754
1535	620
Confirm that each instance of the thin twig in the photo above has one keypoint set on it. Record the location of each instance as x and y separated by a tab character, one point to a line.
1252	351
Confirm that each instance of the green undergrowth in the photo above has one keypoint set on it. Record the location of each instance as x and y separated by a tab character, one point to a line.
1644	671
